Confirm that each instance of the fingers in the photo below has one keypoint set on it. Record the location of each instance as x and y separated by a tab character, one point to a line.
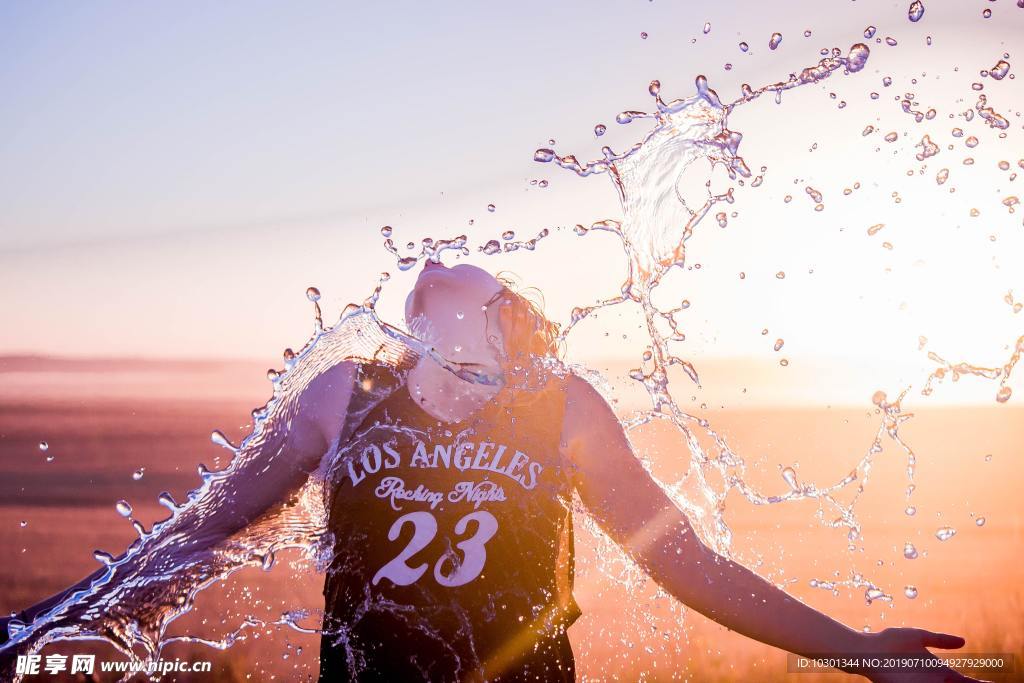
941	640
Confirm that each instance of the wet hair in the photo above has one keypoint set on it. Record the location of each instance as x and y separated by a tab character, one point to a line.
525	330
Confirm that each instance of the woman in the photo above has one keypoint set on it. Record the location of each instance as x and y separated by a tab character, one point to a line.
450	515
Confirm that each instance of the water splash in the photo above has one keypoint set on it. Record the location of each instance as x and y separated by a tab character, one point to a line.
129	605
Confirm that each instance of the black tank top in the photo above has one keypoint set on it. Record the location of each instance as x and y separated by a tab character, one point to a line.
453	556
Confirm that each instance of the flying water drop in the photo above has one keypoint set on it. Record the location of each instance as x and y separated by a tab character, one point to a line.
999	71
103	557
857	58
789	475
916	11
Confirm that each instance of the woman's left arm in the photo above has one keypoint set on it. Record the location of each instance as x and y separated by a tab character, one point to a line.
637	514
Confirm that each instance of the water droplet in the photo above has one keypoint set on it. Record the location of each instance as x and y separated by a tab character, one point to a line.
43	446
23	524
789	475
460	315
386	231
744	47
600	129
103	557
139	473
544	155
1003	395
869	32
313	294
707	27
781	275
490	207
987	14
910	592
775	41
945	533
910	511
643	35
273	375
999	71
909	551
778	344
980	521
916	11
218	438
123	508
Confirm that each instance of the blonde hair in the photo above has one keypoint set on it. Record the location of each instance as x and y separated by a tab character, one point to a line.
525	330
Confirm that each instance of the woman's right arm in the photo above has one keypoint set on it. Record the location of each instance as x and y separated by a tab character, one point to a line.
269	471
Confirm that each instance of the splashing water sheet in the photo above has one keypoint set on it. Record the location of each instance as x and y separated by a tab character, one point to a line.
680	175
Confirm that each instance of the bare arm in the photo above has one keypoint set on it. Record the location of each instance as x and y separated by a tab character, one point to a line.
631	507
277	467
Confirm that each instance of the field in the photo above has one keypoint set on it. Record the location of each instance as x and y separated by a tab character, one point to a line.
101	425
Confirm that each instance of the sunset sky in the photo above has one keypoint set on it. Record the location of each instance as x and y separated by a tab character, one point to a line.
173	178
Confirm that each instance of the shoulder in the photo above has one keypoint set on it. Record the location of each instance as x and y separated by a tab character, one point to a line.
580	393
585	407
324	402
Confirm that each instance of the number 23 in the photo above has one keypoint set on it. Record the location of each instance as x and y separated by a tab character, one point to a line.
424	529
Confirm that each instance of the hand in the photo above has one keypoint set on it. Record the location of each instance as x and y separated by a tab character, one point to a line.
913	642
8	656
